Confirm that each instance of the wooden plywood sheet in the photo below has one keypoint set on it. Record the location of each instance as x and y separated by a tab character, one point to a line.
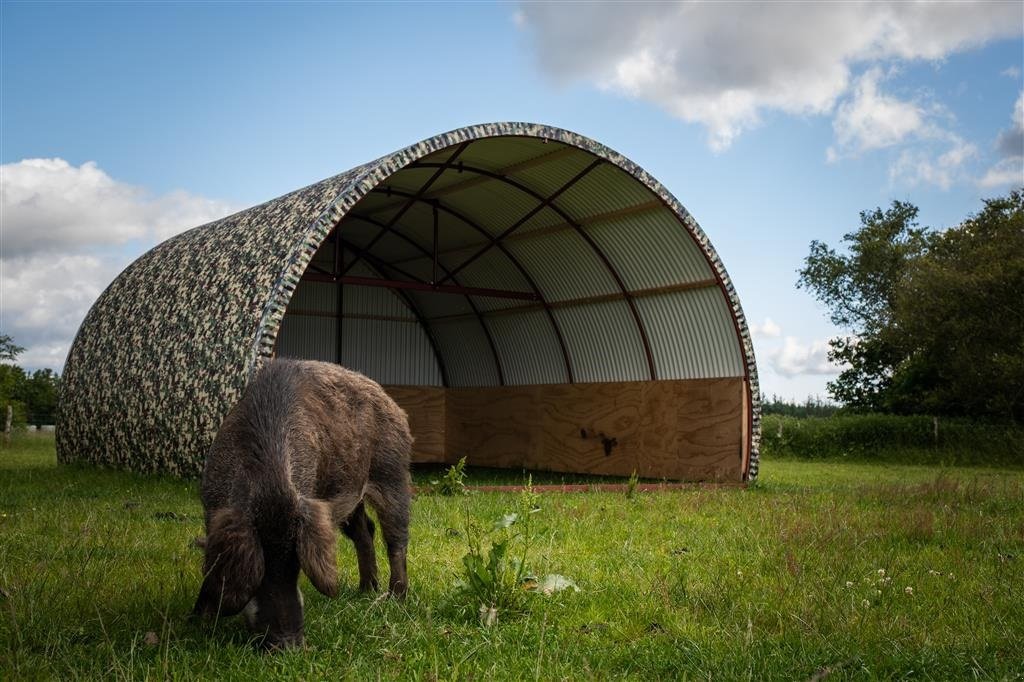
425	406
687	429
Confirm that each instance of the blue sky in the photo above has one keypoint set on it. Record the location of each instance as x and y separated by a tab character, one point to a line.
187	111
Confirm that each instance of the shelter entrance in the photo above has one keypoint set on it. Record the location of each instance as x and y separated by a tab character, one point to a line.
532	304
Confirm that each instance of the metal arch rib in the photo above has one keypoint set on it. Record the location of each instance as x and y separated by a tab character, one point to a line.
372	260
469	299
415	197
582	233
519	266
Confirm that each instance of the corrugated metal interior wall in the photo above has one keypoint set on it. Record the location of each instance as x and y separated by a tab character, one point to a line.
621	292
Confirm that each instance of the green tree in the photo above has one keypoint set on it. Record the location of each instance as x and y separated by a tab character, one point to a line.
39	395
12	381
9	351
860	290
936	317
961	308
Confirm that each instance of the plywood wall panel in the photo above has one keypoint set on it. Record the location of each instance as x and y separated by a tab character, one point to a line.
686	429
425	406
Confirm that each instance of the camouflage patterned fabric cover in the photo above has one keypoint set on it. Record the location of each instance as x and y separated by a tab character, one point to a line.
168	347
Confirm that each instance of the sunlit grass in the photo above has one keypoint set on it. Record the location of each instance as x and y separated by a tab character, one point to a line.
805	572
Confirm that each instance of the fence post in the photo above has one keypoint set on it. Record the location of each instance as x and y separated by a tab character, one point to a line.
7	424
935	431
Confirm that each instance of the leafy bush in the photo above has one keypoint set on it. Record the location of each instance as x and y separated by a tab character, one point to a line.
495	577
453	482
896	438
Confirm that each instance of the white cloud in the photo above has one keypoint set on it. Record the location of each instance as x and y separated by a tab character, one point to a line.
795	358
766	330
50	205
58	224
724	64
1010	72
1010	144
923	166
873	120
1007	172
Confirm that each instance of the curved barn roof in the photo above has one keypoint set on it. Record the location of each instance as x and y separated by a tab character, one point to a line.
561	260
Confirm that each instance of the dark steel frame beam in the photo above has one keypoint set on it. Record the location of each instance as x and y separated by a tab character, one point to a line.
437	264
544	202
582	233
417	196
532	162
413	308
515	262
593	219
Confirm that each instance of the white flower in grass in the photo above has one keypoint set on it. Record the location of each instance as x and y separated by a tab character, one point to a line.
908	589
865	604
739	573
849	583
952	577
881	571
878	592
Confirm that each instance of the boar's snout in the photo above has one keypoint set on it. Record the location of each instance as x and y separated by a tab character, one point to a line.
276	614
281	641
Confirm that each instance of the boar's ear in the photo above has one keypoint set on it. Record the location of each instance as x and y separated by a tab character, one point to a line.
234	564
316	543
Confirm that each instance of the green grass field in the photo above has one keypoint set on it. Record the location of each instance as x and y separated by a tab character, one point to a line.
844	571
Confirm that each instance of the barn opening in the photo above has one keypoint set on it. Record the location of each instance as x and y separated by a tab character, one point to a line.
533	304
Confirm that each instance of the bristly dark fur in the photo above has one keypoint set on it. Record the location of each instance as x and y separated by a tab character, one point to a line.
293	461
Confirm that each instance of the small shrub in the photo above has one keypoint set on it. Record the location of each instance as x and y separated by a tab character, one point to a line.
453	482
495	576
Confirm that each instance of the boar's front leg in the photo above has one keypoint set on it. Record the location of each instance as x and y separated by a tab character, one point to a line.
359	528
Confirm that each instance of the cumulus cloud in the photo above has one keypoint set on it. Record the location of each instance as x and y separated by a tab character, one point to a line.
723	65
789	356
872	120
1009	170
766	330
1010	142
924	166
50	205
67	231
795	358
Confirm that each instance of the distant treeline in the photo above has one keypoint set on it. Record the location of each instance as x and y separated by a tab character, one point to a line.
814	406
31	396
893	438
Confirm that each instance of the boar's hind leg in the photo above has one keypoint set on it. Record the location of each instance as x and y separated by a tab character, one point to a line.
359	528
393	514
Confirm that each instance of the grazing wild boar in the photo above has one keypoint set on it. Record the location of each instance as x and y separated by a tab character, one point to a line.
305	447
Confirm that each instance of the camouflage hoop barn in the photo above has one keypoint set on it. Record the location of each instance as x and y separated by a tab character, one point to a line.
529	296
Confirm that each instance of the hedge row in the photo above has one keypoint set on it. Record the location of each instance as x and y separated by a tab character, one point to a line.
883	437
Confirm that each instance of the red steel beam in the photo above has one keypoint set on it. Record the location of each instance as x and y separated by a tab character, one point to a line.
421	286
